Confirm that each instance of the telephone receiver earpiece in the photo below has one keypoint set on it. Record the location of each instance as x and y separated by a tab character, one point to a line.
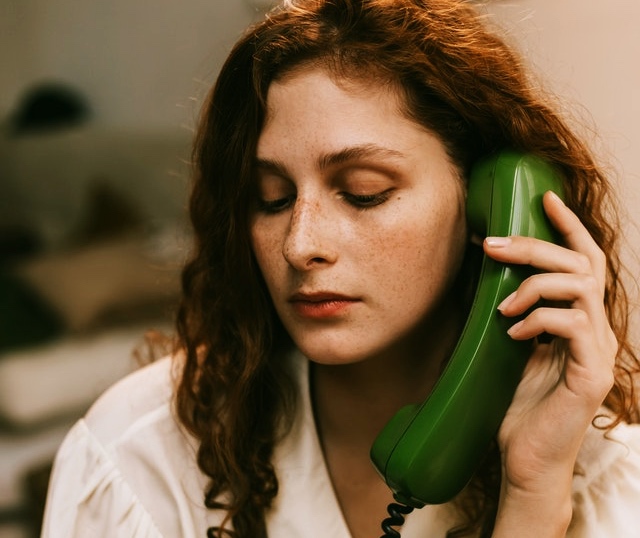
429	451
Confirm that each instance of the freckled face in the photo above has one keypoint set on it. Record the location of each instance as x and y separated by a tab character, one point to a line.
358	226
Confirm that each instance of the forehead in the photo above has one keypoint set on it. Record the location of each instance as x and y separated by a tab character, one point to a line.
314	100
315	118
359	83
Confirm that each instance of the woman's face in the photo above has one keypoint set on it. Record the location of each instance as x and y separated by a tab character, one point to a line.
358	226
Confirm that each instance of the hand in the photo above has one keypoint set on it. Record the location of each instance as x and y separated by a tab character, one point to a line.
565	381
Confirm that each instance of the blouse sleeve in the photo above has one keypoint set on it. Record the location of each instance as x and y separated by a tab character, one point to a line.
607	485
88	496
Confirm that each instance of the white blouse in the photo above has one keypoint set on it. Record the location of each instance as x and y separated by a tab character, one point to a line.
128	470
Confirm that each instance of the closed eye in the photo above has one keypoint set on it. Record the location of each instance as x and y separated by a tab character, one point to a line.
276	205
273	190
366	201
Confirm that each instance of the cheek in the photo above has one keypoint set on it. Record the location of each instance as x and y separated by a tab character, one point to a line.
264	247
428	255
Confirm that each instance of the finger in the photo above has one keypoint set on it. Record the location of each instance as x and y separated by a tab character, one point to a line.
540	254
575	235
587	367
580	254
562	322
575	326
578	291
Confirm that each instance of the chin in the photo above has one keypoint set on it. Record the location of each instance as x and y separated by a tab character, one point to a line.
331	355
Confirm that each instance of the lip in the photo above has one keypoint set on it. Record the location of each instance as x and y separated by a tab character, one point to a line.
321	304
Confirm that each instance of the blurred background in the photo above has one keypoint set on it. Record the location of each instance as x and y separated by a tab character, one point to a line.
97	105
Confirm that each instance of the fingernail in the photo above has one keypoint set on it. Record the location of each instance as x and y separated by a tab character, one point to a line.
515	329
556	198
497	242
507	301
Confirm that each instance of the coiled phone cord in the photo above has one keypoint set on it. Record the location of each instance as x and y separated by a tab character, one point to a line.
396	519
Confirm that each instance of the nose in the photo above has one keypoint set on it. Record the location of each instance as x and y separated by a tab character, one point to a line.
309	241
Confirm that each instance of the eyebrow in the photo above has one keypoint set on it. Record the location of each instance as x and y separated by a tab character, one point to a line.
354	153
345	155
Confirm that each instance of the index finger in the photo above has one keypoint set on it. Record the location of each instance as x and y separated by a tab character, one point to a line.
574	234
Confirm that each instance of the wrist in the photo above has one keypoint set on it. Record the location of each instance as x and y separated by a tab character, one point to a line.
525	515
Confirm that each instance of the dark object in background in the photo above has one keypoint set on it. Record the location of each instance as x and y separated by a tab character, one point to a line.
25	317
36	484
18	242
49	106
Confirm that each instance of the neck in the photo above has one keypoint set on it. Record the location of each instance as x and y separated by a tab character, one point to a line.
353	402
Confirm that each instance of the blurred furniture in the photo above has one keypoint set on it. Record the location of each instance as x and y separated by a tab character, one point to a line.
91	244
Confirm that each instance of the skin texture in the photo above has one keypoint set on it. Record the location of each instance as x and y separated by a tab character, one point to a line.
393	260
358	229
323	145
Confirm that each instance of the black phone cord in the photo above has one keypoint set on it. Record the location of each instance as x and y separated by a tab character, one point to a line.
396	519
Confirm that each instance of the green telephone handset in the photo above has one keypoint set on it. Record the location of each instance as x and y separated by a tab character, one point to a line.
428	452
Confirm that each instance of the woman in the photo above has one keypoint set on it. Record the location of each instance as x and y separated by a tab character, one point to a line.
329	284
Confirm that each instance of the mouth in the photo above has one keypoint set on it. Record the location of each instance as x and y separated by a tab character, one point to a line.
321	305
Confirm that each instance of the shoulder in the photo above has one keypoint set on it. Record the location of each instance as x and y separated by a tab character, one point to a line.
607	483
128	468
138	400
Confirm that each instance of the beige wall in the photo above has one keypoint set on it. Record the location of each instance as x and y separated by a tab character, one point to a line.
140	62
588	53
